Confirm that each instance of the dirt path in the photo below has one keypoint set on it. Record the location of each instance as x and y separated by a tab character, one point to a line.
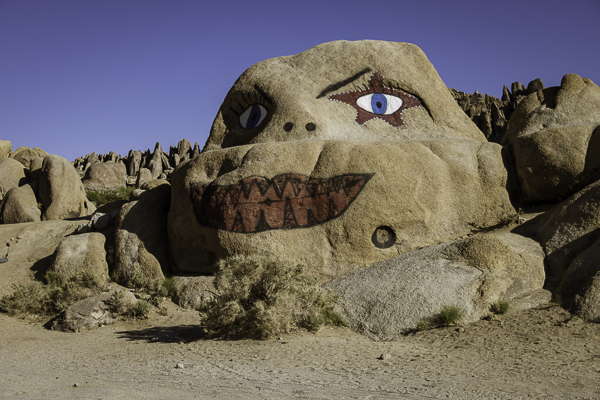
527	354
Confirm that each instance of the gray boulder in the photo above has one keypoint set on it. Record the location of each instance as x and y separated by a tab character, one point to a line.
387	299
61	190
145	175
12	174
91	312
20	205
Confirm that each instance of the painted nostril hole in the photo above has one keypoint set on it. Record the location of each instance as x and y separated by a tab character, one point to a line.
288	126
383	237
310	126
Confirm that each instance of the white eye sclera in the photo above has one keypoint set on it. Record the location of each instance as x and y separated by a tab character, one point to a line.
253	116
379	103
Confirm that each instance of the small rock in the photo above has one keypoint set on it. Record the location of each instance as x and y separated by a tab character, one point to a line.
385	356
179	366
75	385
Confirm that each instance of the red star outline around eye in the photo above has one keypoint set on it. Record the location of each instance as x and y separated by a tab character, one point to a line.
376	85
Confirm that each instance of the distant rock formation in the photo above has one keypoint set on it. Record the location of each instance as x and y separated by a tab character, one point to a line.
139	167
490	114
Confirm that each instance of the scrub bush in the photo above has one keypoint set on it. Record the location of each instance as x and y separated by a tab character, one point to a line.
260	296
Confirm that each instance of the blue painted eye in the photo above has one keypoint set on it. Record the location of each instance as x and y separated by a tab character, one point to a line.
379	103
253	116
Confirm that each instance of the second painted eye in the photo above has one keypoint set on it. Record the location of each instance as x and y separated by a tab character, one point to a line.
379	103
253	116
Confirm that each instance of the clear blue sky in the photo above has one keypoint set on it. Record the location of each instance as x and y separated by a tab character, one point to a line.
78	76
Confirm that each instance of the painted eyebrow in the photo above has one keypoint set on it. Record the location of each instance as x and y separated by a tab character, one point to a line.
335	86
263	94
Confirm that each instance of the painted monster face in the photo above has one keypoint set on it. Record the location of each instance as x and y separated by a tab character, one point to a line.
338	157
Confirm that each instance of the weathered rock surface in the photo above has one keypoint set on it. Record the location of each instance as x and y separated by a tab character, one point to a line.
141	242
105	175
61	190
81	252
566	230
20	205
32	246
5	148
91	312
580	286
24	155
12	174
386	299
554	137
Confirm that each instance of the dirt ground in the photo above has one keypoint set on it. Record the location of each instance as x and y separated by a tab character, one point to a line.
540	353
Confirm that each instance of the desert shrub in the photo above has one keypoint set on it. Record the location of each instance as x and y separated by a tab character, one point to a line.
165	287
260	296
448	316
500	307
46	300
139	310
101	197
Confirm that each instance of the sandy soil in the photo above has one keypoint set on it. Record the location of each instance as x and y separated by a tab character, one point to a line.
540	353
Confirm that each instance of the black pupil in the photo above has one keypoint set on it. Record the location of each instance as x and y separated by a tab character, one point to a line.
378	104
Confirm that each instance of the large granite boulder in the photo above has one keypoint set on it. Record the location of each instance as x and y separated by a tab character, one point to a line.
5	148
20	205
141	242
341	156
12	174
387	299
61	190
81	252
554	136
105	175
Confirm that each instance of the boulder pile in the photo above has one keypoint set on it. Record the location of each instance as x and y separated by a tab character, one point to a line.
401	195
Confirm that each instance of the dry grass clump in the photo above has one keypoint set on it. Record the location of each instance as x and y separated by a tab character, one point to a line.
448	316
260	296
500	307
37	299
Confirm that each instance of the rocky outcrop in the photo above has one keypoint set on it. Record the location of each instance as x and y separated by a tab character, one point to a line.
139	166
554	137
490	114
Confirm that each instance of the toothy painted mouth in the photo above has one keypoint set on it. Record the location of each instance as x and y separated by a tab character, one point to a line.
287	201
